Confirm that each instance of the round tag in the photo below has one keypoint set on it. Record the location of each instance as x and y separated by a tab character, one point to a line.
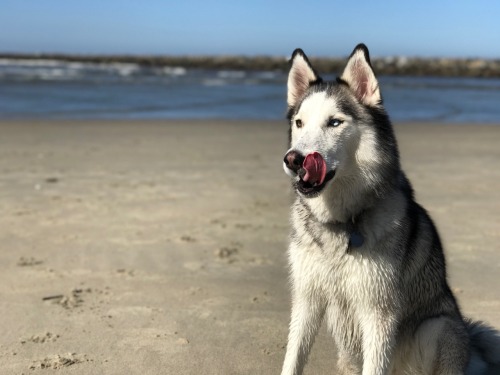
356	239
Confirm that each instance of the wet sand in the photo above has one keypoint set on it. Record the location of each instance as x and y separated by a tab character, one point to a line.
159	247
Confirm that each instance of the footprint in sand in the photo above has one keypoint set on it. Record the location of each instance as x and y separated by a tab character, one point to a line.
248	226
68	301
187	238
219	223
261	298
227	254
231	254
182	341
41	338
123	271
59	361
76	297
28	262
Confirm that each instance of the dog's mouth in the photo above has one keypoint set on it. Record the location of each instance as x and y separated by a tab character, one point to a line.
309	189
311	172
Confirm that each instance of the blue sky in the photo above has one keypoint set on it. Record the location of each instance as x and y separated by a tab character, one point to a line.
259	27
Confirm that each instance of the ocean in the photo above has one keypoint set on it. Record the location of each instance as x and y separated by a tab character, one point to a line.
52	89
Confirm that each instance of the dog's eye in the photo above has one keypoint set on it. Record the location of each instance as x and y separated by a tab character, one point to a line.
298	123
334	122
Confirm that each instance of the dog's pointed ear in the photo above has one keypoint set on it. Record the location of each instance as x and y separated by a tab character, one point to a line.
301	76
359	75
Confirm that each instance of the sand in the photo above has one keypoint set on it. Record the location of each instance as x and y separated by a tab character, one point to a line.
159	247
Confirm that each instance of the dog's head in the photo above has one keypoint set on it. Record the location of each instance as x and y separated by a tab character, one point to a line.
338	130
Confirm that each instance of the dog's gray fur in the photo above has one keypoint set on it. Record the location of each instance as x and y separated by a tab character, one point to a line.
385	298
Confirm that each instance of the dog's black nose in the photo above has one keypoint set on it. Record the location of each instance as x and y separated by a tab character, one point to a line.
293	160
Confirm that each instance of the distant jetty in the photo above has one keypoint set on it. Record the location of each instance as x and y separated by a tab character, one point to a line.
407	66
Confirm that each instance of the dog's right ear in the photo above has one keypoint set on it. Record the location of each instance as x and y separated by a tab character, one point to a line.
301	76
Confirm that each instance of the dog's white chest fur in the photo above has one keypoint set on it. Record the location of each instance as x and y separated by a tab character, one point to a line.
354	281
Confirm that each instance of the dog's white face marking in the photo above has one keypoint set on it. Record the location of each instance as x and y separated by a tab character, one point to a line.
318	131
349	148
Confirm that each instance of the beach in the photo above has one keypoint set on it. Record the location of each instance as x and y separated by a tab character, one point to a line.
159	247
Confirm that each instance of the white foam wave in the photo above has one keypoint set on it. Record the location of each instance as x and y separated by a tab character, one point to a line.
31	63
231	74
174	70
47	69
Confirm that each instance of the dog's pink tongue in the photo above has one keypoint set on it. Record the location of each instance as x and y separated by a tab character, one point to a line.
315	168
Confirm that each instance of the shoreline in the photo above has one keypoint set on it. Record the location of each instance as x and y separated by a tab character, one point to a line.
160	246
391	66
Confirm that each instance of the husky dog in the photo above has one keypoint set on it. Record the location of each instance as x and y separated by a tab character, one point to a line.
363	253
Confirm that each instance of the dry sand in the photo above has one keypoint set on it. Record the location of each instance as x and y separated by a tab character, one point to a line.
159	247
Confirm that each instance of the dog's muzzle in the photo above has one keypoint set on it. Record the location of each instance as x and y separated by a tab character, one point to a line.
310	170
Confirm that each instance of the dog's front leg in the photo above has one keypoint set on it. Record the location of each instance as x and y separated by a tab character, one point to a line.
307	313
378	344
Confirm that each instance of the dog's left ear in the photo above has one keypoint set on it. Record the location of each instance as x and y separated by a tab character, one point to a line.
301	76
359	75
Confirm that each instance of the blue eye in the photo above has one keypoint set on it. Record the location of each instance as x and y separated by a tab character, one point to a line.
334	122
